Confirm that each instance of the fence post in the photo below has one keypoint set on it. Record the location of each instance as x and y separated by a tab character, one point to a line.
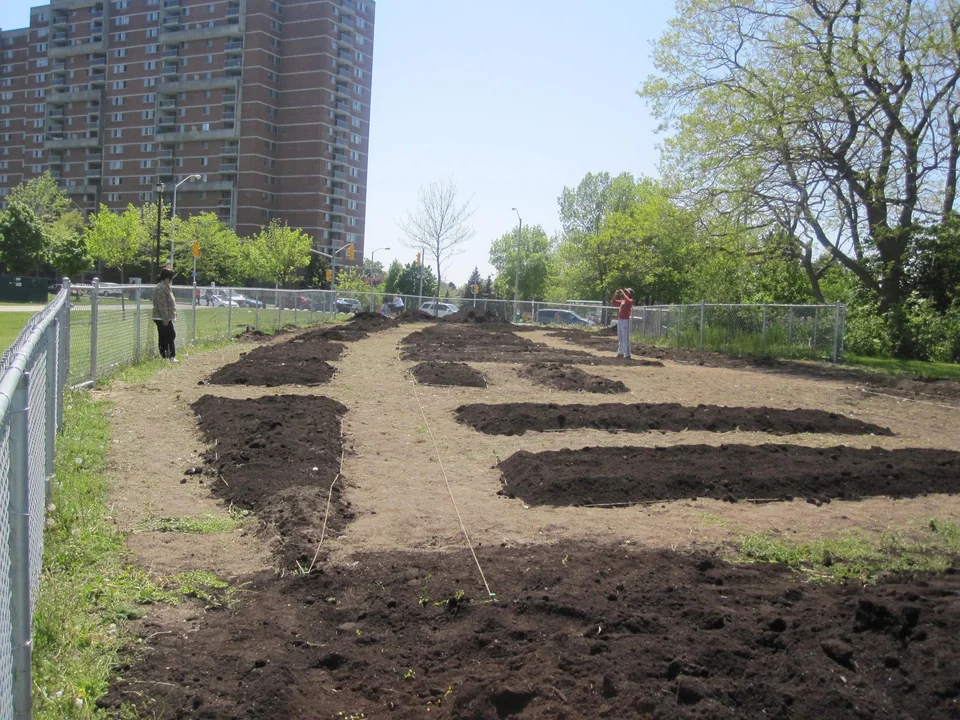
94	327
50	401
816	322
764	326
64	349
20	549
836	332
790	326
256	314
229	313
701	323
279	309
194	310
139	340
296	303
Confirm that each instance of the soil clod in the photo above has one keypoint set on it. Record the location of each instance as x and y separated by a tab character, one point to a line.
448	373
566	377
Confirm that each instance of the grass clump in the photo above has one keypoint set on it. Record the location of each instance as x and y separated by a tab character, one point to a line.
196	525
88	590
856	556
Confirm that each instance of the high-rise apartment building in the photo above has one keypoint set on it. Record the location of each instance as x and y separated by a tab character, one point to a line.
268	101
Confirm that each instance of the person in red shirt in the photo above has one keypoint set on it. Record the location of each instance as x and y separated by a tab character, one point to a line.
623	299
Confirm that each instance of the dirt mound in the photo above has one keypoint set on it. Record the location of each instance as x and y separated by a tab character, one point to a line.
474	316
517	418
277	456
412	315
576	631
357	328
295	362
948	390
566	377
487	342
445	373
250	334
615	475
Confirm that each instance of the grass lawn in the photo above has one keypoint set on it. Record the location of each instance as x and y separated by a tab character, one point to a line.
917	368
11	323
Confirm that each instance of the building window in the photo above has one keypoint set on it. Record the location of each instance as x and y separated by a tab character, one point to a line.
116	149
153	16
206	109
119	84
119	69
148	114
153	32
117	100
119	37
149	82
147	131
114	181
115	165
146	147
203	161
42	62
116	133
146	164
153	49
121	21
116	117
113	197
150	65
149	98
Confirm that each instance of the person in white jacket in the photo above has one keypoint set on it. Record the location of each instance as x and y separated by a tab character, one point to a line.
164	315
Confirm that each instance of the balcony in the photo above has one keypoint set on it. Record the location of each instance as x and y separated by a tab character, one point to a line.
229	115
91	46
337	175
233	63
189	133
233	11
78	93
173	5
339	192
347	38
342	125
228	98
340	142
170	53
81	189
169	70
234	46
94	156
347	8
173	85
165	170
98	61
96	13
97	78
346	21
59	20
344	73
165	154
228	168
340	158
58	36
73	141
58	82
59	67
168	104
342	91
229	150
342	107
181	33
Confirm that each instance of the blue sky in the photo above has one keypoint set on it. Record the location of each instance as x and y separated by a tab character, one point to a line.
513	100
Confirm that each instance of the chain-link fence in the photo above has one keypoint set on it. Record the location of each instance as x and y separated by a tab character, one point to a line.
112	325
34	373
790	331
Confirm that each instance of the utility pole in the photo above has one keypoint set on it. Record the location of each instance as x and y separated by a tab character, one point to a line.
516	280
159	216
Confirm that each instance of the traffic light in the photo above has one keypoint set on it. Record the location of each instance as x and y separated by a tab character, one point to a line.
350	252
418	258
476	289
329	275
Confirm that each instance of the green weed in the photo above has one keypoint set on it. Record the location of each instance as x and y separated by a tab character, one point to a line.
198	524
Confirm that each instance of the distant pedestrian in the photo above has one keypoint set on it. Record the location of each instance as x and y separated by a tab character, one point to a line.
623	299
385	308
398	304
164	315
208	297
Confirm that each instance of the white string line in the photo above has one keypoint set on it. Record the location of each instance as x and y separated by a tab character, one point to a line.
443	470
336	477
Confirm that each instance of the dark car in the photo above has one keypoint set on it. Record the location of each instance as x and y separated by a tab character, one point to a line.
550	316
348	305
300	302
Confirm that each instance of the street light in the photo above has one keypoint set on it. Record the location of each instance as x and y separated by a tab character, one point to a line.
173	222
374	252
516	281
159	215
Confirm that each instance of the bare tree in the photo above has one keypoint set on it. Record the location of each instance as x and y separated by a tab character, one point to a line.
440	225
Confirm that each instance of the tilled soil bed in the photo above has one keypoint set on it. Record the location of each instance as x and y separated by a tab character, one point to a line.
576	631
623	475
517	418
901	386
447	373
568	378
295	362
278	456
489	342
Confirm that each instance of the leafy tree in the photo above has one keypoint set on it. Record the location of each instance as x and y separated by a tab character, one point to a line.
408	283
44	197
440	225
352	279
21	239
222	257
836	119
933	265
118	240
67	246
392	280
280	252
373	267
315	274
531	258
487	289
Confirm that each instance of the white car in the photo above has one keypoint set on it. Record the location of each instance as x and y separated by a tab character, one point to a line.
439	309
224	301
110	290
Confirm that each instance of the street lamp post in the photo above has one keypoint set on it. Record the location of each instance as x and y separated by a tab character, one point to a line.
159	216
374	252
516	280
173	222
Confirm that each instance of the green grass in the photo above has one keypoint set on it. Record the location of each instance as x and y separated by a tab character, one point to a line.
855	555
11	324
195	525
88	589
907	368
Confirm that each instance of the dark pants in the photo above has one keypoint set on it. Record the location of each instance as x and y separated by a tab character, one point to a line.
168	336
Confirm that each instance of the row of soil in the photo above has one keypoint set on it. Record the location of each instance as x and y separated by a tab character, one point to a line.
568	378
466	342
448	373
517	418
303	360
892	384
575	631
624	475
278	456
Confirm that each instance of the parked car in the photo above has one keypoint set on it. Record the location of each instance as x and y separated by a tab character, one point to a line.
551	316
439	309
300	302
348	305
110	290
224	301
75	292
247	302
